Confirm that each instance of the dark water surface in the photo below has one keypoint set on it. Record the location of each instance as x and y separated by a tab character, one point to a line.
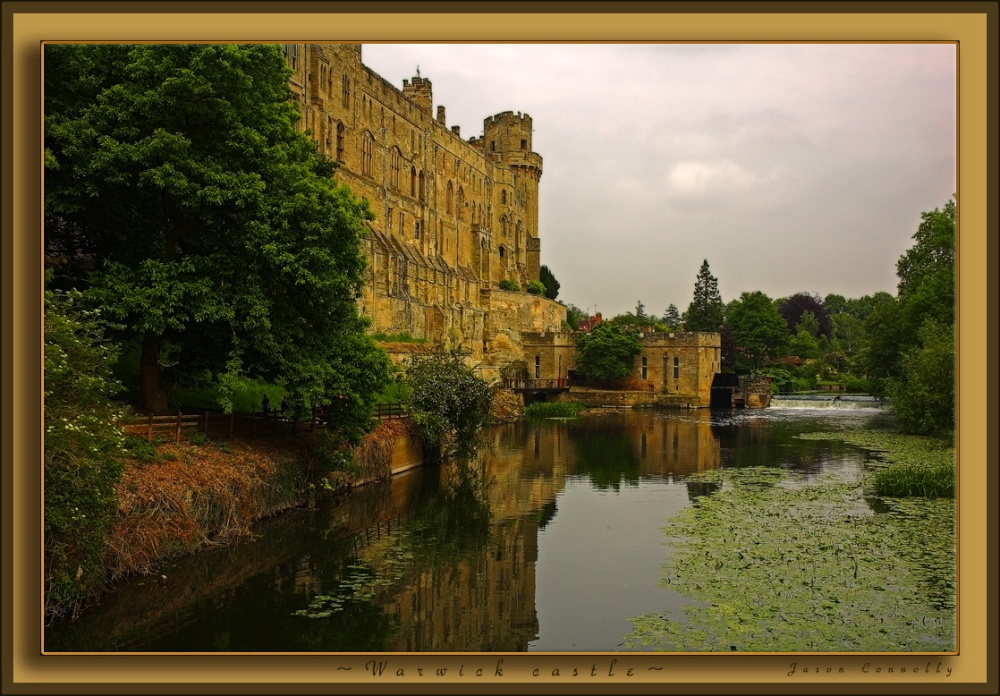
550	541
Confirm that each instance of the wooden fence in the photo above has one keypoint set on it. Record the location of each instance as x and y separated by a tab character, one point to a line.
220	426
390	411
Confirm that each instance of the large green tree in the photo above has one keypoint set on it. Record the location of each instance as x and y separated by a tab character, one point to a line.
705	311
926	291
213	230
608	351
759	331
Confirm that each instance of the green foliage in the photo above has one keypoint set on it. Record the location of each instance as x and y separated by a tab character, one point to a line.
672	317
574	315
705	311
139	448
928	482
638	322
447	401
759	331
395	392
782	380
397	338
554	409
214	226
926	290
608	351
535	287
849	331
797	306
923	396
330	457
84	450
510	285
547	278
804	345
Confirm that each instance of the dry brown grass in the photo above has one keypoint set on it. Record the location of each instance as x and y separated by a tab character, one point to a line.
196	495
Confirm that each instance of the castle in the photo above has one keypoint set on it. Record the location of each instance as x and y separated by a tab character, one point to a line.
453	218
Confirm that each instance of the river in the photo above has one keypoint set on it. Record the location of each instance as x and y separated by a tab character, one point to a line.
552	540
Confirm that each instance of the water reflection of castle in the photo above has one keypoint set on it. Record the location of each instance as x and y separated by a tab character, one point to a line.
486	601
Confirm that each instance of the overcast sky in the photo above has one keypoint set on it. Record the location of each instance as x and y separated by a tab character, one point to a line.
789	167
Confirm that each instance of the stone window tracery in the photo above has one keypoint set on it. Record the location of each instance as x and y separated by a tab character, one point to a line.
367	153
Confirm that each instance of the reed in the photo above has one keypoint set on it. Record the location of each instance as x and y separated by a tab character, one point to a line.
554	409
904	480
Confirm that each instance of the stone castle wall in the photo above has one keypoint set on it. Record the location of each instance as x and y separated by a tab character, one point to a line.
453	217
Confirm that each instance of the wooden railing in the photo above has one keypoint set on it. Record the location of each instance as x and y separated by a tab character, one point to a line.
231	425
390	411
537	383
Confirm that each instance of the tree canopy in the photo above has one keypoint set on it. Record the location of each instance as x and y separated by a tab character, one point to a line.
792	308
607	351
705	311
910	352
758	330
672	317
926	291
212	229
447	401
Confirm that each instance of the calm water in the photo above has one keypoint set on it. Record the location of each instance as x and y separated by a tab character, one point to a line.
550	541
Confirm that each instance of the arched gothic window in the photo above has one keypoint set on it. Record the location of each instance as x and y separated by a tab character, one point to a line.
394	168
367	153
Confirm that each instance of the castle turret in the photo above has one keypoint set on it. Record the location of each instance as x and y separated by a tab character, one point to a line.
507	139
418	89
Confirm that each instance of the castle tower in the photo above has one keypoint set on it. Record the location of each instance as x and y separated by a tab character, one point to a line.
418	89
507	139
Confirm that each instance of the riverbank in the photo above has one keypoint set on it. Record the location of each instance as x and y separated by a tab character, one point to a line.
177	498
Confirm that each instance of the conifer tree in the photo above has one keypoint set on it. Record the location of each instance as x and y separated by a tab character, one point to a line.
672	318
705	311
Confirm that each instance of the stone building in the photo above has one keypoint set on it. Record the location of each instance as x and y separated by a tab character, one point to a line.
454	216
673	369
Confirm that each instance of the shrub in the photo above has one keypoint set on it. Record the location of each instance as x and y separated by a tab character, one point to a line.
448	401
858	385
535	287
84	451
511	285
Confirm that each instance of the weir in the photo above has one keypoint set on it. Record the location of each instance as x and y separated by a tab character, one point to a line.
826	401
